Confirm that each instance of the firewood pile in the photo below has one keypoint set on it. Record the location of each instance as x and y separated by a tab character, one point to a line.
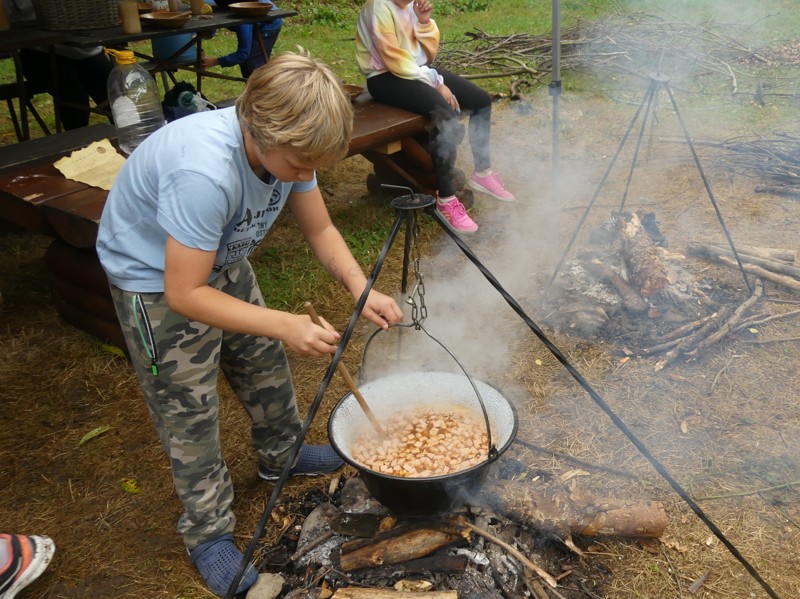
513	540
632	290
774	161
631	44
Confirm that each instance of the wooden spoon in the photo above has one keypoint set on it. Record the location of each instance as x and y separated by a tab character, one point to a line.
349	379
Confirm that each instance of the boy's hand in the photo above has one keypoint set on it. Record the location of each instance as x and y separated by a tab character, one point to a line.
423	10
309	339
382	310
209	61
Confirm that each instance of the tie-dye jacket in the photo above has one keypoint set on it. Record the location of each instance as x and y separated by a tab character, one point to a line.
390	38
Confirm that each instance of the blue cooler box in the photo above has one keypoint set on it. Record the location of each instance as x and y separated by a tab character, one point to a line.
164	47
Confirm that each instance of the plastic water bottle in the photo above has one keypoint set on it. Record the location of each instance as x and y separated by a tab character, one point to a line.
135	101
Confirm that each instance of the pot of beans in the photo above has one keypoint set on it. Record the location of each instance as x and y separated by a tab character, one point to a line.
442	432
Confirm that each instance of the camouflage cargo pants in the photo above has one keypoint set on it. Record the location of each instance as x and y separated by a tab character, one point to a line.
177	363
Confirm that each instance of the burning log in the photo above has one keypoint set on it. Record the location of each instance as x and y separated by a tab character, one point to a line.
575	511
642	256
400	544
631	300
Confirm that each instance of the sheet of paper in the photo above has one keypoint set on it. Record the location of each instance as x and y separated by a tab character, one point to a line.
96	164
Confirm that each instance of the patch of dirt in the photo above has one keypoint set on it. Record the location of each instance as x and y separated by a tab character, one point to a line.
725	424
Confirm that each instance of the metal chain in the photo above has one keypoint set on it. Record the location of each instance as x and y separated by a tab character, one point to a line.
419	312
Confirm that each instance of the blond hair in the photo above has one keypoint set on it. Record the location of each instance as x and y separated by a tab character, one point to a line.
296	102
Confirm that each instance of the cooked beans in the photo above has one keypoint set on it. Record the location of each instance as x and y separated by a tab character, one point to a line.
424	443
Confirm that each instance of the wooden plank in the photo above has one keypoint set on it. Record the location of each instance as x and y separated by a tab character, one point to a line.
46	150
376	124
75	217
24	191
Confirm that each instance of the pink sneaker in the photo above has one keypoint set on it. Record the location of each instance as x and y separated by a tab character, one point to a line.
492	185
457	216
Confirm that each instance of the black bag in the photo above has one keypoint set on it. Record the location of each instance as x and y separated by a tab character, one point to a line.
172	107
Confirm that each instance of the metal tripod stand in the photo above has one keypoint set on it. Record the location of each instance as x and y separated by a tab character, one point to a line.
407	208
657	81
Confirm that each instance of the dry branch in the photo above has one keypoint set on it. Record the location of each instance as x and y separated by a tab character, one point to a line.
630	43
712	252
782	280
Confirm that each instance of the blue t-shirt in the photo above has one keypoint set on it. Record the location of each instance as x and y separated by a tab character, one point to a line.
189	180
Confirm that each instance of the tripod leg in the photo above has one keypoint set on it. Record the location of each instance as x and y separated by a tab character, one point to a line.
707	185
646	99
648	109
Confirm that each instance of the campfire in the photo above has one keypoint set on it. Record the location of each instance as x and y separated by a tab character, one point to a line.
631	288
514	538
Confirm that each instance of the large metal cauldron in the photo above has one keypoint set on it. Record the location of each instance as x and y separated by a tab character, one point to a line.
407	392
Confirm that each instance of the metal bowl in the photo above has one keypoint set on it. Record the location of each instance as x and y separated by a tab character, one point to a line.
436	390
166	20
251	9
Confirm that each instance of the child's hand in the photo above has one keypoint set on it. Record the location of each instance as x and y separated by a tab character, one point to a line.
423	10
449	97
381	310
209	61
309	339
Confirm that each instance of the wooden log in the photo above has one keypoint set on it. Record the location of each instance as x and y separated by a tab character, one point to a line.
782	254
575	510
382	593
399	545
712	252
642	256
631	300
783	281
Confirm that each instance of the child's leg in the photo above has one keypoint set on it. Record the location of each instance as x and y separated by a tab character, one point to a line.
479	103
179	382
258	372
423	99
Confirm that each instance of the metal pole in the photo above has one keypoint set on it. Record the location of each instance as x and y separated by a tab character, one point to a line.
555	92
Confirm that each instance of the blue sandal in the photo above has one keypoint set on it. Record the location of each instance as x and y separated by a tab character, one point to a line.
218	561
315	460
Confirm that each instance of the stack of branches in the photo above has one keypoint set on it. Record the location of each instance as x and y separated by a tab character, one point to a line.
634	44
777	161
774	265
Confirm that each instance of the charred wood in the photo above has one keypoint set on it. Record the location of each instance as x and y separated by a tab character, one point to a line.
642	256
379	593
399	545
631	300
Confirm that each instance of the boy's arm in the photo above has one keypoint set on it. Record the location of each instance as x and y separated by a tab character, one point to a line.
332	252
188	293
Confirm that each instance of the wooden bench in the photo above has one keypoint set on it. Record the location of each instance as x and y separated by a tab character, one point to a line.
36	196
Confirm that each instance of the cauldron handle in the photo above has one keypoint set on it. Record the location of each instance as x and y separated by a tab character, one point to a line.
493	454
